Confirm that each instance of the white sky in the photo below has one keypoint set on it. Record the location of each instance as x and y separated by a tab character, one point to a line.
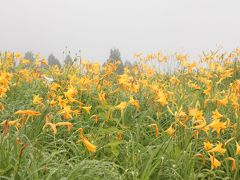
95	26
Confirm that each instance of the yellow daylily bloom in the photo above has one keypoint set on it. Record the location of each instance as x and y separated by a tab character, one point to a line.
222	102
119	136
121	106
216	115
207	145
87	109
90	147
102	97
200	124
237	149
52	126
18	55
25	61
156	129
134	102
218	149
161	98
54	86
233	168
217	126
68	124
37	99
28	112
7	124
171	131
71	93
214	162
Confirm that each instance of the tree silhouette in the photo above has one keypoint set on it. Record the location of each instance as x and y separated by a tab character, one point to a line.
52	60
114	57
29	55
68	60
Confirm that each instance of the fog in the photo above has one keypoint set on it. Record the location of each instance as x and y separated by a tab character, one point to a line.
47	26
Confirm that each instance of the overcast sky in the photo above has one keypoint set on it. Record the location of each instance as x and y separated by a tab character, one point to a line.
95	26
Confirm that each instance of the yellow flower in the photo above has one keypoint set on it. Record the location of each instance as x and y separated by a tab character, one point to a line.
102	97
214	162
237	149
62	102
28	112
115	91
218	149
52	102
25	61
174	81
208	90
234	126
71	93
54	86
121	106
196	114
85	62
66	111
217	126
161	98
7	123
222	102
37	99
156	129
216	115
37	56
90	147
233	163
207	145
134	103
1	107
3	91
18	55
119	136
171	131
228	123
10	123
123	79
193	85
52	126
87	109
200	124
68	124
44	62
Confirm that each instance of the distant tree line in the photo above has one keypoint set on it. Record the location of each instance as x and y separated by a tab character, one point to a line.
114	57
52	60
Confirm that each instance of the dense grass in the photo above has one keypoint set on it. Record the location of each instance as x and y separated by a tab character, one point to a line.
160	134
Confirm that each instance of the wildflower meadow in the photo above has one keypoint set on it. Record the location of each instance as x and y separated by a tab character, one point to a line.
88	121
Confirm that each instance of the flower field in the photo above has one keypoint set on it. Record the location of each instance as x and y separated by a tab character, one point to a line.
85	121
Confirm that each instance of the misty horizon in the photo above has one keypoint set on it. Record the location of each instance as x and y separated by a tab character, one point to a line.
131	26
